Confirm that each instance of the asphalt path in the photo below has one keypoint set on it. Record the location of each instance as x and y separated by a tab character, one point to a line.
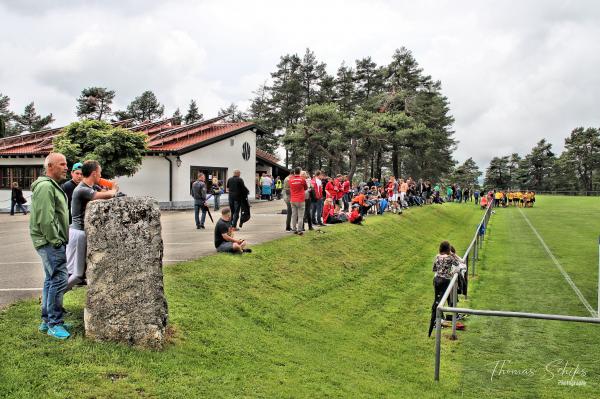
21	274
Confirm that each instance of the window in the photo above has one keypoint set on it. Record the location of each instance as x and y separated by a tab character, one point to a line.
24	175
209	172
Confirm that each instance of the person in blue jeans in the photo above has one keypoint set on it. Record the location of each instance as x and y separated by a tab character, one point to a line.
199	194
49	231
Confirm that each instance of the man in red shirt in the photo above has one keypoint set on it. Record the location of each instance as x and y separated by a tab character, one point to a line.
298	189
316	202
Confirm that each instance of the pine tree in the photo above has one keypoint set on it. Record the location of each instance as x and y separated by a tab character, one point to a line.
234	114
344	89
368	81
582	152
177	118
145	108
261	113
6	116
30	121
192	114
94	103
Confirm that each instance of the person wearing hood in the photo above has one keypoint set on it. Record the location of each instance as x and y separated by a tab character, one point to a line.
49	231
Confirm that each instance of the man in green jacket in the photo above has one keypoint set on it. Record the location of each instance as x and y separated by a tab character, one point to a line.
49	230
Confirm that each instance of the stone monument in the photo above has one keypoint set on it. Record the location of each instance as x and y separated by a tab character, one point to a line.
125	299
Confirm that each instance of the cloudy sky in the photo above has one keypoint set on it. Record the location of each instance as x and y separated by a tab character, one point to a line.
514	71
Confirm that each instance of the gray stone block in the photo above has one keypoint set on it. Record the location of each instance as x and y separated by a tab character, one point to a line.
125	300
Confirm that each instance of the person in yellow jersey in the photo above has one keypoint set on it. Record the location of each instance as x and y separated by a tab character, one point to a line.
497	198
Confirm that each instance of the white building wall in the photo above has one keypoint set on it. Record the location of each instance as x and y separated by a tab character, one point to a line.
221	154
151	180
5	193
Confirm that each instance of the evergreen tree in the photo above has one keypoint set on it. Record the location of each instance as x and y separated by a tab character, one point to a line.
94	103
30	121
261	113
368	81
192	114
496	175
539	165
234	114
467	174
513	166
311	73
145	108
177	118
344	89
582	152
6	116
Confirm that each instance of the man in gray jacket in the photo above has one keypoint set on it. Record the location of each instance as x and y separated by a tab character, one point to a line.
199	194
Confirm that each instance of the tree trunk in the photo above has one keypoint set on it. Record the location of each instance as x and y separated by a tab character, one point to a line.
395	166
353	145
378	173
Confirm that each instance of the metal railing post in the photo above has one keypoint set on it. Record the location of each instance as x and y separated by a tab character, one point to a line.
438	343
598	276
454	315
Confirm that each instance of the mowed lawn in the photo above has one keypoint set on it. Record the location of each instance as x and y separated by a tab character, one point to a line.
517	274
338	314
342	314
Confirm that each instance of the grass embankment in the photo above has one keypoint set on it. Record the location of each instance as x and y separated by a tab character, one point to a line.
517	274
340	314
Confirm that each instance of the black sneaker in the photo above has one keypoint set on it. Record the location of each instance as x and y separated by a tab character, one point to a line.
247	250
202	227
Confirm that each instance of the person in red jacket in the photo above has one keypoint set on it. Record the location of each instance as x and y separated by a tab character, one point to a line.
327	210
330	189
298	189
355	216
339	192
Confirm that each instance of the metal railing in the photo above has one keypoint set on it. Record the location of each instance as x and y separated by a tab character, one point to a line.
473	250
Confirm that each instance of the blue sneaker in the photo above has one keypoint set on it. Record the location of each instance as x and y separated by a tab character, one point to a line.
43	328
58	332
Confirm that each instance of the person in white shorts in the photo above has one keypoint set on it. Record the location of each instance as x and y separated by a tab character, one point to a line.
83	193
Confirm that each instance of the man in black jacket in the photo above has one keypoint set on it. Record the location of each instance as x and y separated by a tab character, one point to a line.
199	194
237	191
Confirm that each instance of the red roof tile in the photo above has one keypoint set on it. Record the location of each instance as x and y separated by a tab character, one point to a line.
267	157
163	136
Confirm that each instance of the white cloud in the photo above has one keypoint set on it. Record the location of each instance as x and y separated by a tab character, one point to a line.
514	71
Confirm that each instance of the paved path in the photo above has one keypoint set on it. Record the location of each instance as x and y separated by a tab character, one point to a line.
21	274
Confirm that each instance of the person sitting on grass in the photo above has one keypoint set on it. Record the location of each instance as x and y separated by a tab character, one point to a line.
224	240
355	216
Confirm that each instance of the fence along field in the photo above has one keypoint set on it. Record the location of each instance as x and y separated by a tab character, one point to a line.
519	273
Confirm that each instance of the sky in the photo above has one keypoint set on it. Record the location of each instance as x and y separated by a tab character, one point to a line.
514	72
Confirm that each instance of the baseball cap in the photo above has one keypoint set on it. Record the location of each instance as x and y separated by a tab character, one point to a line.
77	166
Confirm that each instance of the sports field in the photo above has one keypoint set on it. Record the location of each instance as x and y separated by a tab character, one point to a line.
345	314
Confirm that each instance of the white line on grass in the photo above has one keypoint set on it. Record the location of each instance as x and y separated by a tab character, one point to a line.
560	268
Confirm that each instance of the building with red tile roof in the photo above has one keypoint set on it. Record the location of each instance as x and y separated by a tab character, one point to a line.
176	153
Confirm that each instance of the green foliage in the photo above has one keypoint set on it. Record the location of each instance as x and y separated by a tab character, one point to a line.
192	114
423	149
30	121
467	174
177	118
234	114
497	174
582	153
118	150
94	103
143	108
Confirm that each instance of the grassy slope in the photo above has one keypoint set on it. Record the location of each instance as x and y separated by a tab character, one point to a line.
283	322
517	274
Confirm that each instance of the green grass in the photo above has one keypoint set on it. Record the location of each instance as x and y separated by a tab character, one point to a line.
340	314
517	274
